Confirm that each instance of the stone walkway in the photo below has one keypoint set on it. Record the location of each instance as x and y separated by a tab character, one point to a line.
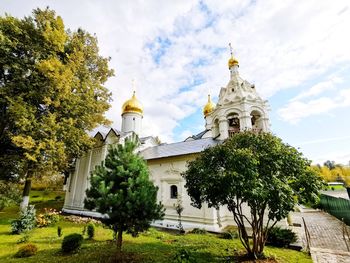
326	236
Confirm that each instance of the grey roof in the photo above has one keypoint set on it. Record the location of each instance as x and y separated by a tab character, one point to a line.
143	139
179	148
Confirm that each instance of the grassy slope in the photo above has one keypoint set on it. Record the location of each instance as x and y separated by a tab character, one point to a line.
153	246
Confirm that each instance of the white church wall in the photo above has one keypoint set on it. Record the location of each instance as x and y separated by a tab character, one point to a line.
166	172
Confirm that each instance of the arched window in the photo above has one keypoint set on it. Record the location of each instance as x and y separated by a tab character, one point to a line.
233	124
173	192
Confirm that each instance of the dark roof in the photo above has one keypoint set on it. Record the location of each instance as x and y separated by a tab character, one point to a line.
197	136
179	148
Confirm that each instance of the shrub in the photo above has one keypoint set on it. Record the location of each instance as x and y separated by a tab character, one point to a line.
9	194
90	230
59	231
229	234
48	218
25	222
72	243
281	237
199	231
26	251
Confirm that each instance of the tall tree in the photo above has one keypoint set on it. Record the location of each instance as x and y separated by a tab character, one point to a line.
257	170
121	189
51	94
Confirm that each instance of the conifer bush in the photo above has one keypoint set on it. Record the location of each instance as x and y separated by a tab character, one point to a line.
25	222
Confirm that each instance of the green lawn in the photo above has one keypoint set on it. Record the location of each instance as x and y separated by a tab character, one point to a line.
336	187
152	246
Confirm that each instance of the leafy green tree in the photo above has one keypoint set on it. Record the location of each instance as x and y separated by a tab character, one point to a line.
257	170
121	189
51	94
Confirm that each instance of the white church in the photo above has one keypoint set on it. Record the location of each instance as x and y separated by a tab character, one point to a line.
239	108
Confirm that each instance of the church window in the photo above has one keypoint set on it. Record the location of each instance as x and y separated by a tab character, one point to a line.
173	192
233	90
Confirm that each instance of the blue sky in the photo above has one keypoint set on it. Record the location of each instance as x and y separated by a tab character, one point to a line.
295	52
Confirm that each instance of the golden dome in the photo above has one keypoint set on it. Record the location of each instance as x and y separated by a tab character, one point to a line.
132	105
232	62
209	107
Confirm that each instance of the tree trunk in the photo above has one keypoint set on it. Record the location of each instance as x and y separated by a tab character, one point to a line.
26	191
119	240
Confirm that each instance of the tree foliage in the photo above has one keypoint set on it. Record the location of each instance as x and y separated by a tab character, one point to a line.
257	170
51	87
339	173
121	189
51	93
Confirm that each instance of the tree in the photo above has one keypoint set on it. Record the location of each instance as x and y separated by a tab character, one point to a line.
51	94
330	164
121	189
258	170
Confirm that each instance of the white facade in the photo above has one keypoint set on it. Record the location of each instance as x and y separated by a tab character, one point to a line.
239	108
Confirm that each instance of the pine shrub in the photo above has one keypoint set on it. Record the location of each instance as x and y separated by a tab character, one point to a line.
25	222
90	230
26	251
72	243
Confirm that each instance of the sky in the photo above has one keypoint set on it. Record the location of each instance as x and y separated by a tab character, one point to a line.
297	53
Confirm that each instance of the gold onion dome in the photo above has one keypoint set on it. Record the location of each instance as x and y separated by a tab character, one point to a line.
232	62
132	105
209	107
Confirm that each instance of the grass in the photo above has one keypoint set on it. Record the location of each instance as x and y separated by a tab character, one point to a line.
336	187
151	246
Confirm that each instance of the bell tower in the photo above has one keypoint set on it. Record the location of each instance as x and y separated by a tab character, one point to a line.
239	107
132	114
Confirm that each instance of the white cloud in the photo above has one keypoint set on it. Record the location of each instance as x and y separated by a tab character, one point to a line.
296	110
280	44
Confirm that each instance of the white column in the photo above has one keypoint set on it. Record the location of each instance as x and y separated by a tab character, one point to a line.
245	122
265	124
223	128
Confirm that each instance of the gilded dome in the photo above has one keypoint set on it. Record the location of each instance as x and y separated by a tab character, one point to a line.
209	107
232	62
132	105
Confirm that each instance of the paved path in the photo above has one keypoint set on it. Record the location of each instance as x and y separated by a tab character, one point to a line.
326	234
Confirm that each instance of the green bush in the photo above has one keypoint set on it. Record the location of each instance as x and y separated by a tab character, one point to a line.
90	230
281	237
71	243
229	234
199	231
25	222
26	251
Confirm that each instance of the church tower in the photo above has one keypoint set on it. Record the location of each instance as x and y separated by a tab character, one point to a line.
239	107
132	114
